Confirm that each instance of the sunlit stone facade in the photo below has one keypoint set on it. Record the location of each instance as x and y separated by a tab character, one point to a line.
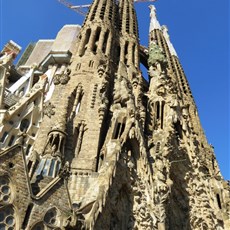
88	143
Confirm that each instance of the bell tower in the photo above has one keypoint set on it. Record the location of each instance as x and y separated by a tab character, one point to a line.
88	143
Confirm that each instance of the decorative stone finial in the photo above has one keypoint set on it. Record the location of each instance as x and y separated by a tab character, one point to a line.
154	24
167	38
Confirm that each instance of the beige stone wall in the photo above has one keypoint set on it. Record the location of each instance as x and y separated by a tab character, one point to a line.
107	149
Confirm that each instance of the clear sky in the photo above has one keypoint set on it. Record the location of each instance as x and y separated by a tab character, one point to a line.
199	31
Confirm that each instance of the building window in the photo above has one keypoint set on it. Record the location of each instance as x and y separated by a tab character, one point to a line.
178	130
119	129
39	226
7	219
28	212
126	52
158	110
24	125
105	41
4	137
91	63
5	191
218	201
49	167
78	66
11	140
28	149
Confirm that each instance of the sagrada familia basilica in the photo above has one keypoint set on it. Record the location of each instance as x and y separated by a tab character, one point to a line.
86	142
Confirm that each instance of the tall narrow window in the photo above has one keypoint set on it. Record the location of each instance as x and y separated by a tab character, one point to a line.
40	166
218	200
28	149
119	129
4	137
178	130
78	106
157	110
46	168
118	53
29	165
27	216
126	52
58	166
105	41
51	169
11	140
97	36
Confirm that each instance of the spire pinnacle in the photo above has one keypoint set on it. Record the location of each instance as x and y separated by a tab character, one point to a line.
167	38
154	23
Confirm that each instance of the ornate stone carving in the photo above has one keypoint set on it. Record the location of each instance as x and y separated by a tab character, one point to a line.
156	55
122	90
94	96
62	78
49	109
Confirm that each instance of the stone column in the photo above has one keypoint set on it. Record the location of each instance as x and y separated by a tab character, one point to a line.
101	40
109	43
92	39
3	73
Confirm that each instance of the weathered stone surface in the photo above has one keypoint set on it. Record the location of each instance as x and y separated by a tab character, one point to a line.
89	144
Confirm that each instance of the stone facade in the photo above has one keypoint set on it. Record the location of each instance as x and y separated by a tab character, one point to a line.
87	143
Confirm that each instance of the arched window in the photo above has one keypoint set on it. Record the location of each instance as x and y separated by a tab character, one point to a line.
24	125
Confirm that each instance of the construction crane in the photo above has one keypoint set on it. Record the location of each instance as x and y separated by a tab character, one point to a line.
82	9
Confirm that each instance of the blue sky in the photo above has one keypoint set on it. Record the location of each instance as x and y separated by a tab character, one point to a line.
199	31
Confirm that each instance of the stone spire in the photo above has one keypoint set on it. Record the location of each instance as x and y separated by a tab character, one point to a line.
154	23
167	38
